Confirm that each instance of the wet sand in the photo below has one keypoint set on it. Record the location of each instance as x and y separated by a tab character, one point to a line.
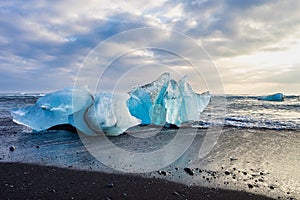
244	164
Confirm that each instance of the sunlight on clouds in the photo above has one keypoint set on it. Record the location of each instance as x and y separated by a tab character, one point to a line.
266	58
143	53
254	24
41	32
262	88
175	12
153	21
262	72
192	23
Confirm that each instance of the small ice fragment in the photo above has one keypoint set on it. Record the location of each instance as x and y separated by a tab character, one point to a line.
273	97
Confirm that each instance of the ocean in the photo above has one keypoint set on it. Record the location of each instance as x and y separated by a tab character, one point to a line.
248	112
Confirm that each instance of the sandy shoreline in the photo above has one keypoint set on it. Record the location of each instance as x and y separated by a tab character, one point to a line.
27	181
248	162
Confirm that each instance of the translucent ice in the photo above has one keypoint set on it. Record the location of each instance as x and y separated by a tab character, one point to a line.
163	101
193	103
51	109
139	104
108	114
166	101
273	97
76	106
147	102
173	101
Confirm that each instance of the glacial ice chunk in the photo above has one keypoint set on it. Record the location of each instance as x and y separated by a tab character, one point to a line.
193	103
157	88
273	97
161	102
110	114
139	105
76	106
150	98
166	101
173	102
52	109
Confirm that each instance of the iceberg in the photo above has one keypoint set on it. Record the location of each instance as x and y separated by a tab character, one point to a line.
78	107
273	97
108	114
161	102
52	109
193	103
146	102
166	101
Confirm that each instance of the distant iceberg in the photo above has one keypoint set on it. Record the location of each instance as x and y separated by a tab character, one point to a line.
273	97
161	102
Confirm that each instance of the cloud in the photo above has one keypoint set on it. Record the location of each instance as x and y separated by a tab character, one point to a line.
41	39
43	43
239	27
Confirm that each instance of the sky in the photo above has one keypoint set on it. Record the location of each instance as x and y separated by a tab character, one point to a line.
254	45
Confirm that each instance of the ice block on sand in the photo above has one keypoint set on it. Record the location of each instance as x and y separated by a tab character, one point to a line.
163	101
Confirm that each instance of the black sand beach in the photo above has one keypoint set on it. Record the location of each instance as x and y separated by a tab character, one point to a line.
27	181
245	164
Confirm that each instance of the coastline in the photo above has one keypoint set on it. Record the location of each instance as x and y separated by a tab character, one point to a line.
252	161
